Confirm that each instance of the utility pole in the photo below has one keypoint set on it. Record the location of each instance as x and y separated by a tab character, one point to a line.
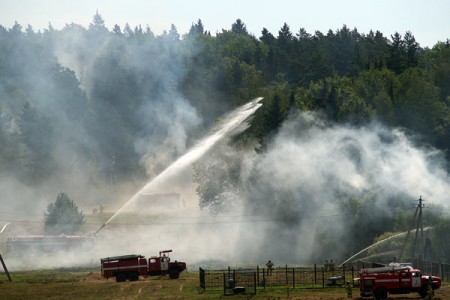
419	227
6	269
1	258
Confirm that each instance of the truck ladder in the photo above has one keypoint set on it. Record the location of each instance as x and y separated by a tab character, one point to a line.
384	269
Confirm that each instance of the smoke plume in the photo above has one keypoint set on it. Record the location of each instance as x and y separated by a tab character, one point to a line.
292	203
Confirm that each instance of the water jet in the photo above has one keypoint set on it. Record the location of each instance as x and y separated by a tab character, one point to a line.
228	124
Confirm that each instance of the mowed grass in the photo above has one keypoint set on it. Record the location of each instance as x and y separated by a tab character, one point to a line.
88	284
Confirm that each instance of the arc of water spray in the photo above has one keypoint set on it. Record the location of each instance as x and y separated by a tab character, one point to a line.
231	122
373	245
4	227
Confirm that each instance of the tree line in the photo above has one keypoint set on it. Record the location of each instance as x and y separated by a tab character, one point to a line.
351	76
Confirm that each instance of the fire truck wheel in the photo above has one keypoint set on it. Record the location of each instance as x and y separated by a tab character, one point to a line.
174	274
134	276
120	277
381	293
423	292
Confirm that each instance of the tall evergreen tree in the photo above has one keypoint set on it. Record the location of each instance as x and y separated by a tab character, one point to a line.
239	27
97	24
196	29
397	58
412	50
63	216
173	33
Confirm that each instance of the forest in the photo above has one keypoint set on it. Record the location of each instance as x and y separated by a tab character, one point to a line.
96	106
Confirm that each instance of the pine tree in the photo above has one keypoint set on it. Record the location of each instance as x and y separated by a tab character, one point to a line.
63	217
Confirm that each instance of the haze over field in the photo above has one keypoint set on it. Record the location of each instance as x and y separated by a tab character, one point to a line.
313	164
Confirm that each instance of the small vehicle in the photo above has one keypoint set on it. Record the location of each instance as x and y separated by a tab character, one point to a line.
335	281
132	266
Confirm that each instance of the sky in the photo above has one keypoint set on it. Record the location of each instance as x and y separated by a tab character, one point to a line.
426	19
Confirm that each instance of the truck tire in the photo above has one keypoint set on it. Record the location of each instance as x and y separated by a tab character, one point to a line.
174	274
133	276
380	293
423	292
121	277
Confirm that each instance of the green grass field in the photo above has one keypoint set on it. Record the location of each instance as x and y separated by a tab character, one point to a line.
88	284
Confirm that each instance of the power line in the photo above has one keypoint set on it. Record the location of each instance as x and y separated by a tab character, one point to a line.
18	213
200	221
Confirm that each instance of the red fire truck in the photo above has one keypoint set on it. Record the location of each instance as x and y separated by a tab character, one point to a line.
132	266
395	278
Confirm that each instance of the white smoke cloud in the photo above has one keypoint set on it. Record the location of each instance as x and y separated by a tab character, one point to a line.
310	164
310	155
290	190
165	118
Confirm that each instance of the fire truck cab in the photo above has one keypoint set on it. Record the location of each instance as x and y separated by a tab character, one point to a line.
395	279
160	265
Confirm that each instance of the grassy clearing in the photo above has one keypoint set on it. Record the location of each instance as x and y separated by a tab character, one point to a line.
88	284
49	276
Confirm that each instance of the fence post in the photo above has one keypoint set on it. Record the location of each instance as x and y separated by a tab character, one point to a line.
254	283
446	271
225	284
323	278
286	273
293	278
353	276
257	274
315	274
202	278
264	279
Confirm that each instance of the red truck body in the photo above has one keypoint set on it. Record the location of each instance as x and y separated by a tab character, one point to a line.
395	279
132	266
